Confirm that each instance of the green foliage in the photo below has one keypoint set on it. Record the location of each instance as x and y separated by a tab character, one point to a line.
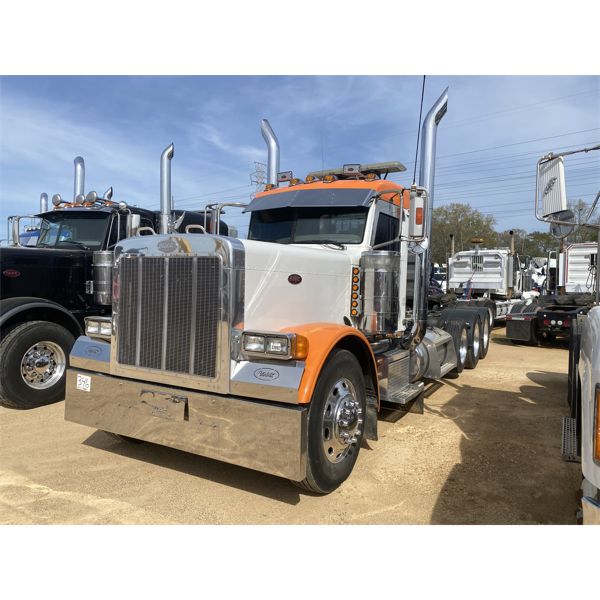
466	222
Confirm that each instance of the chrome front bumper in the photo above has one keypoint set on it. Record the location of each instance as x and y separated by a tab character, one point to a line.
259	435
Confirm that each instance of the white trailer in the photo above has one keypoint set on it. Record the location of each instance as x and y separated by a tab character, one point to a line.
579	268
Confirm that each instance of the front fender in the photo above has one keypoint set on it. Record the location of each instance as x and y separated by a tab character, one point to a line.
322	339
12	307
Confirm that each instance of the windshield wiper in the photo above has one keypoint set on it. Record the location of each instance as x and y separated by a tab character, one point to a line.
80	244
332	242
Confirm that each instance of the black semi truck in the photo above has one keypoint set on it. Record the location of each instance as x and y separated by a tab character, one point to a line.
47	289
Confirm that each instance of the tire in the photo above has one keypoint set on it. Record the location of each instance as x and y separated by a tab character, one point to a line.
460	336
330	459
486	335
516	308
474	342
27	349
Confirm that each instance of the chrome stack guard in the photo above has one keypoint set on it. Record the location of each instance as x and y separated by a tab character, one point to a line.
258	435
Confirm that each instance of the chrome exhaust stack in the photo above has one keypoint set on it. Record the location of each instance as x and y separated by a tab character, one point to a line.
43	202
165	188
426	180
273	152
79	188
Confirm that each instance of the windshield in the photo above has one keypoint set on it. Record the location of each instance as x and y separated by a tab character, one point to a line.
86	230
314	225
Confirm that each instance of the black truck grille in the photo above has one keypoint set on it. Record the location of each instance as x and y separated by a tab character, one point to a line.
169	312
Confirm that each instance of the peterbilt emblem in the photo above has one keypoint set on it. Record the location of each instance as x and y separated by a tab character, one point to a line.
549	186
11	273
167	246
265	374
294	279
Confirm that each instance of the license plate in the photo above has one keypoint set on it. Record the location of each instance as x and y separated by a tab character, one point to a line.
84	382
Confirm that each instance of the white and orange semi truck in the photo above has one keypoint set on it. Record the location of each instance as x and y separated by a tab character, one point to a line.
276	352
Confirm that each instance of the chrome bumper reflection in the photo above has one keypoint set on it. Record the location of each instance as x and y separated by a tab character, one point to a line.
258	435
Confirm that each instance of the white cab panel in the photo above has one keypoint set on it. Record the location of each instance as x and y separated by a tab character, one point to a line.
272	302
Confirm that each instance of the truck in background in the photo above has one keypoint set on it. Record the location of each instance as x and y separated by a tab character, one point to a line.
50	283
496	278
566	293
581	429
276	352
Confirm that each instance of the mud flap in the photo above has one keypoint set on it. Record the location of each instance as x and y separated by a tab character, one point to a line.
371	418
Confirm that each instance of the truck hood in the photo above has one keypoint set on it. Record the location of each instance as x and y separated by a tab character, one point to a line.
291	285
49	273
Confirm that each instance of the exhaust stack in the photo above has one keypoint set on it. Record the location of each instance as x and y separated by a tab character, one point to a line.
43	202
79	188
273	152
165	188
426	180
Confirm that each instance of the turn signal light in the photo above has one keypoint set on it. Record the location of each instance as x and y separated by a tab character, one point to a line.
371	176
354	312
295	181
299	347
355	279
355	288
311	179
355	271
329	178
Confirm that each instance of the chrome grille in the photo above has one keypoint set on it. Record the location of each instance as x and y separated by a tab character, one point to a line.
169	312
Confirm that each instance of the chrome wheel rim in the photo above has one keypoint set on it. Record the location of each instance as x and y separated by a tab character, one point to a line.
43	365
485	338
491	320
463	345
476	339
342	420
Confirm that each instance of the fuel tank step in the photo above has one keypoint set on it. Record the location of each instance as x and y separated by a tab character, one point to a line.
569	440
405	394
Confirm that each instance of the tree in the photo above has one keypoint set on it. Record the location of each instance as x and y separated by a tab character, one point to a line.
464	222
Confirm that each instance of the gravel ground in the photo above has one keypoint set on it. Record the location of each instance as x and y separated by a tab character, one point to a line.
485	450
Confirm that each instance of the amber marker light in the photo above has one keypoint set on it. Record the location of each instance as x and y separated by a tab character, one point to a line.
597	425
269	186
299	347
419	216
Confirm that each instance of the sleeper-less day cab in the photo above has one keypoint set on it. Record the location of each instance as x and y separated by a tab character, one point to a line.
275	352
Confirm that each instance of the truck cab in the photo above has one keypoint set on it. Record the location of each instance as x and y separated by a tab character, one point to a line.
51	282
276	352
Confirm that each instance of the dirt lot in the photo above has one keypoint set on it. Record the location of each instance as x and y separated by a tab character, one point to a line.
486	450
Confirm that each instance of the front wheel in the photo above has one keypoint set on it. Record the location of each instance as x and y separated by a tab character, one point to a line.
33	364
335	423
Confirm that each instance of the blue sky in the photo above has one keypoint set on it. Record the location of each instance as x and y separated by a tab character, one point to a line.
495	130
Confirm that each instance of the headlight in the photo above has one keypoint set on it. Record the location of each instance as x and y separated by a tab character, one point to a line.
92	327
283	346
98	327
253	343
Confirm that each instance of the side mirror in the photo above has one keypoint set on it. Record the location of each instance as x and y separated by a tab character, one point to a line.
551	193
417	217
133	224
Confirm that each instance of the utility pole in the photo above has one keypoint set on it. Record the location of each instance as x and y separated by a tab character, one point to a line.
258	177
